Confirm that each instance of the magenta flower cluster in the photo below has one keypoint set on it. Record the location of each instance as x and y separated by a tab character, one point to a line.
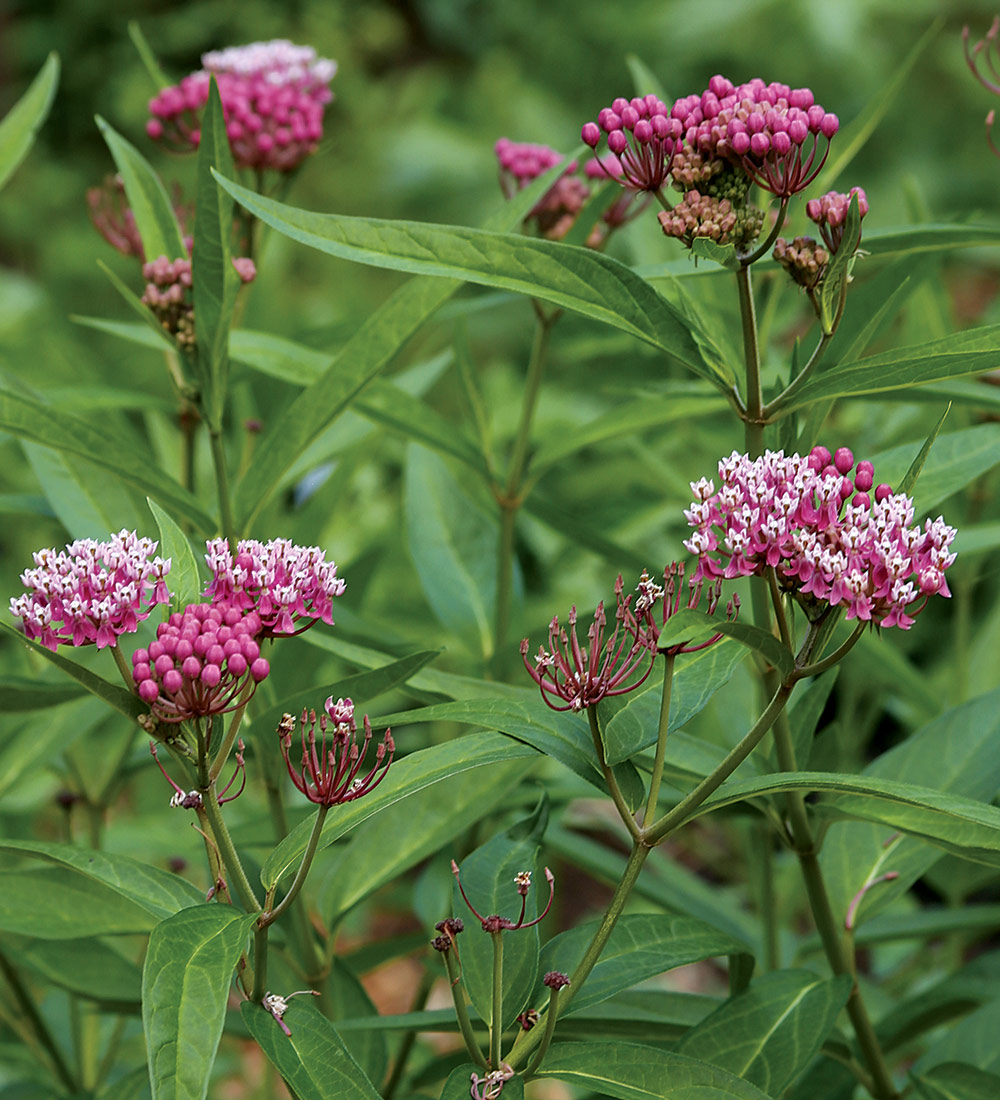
328	771
290	587
205	660
91	592
273	98
520	163
643	135
829	212
822	532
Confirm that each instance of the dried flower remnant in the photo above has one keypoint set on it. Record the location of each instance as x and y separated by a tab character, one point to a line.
278	1006
643	136
205	660
191	800
669	596
273	98
830	213
496	923
91	592
491	1085
290	587
328	772
829	542
581	676
520	163
168	294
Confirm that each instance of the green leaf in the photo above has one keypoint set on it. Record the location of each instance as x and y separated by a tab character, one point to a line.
133	1086
956	355
29	418
909	479
724	255
29	746
361	686
411	774
117	697
876	303
632	1072
971	1041
833	287
185	583
956	1081
697	677
185	985
488	880
641	946
154	215
453	546
214	279
313	1059
805	712
50	904
644	80
159	893
23	120
146	55
89	968
345	998
20	693
402	835
689	626
768	1034
368	351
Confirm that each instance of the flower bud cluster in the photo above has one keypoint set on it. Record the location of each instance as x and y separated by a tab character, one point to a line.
803	259
643	135
520	163
168	294
112	217
91	591
273	98
830	543
830	213
290	587
698	215
205	660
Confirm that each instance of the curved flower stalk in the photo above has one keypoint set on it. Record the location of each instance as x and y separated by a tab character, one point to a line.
494	922
828	541
669	596
273	98
91	592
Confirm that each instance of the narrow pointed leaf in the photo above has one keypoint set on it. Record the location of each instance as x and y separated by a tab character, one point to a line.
146	55
155	335
911	475
185	581
22	121
185	986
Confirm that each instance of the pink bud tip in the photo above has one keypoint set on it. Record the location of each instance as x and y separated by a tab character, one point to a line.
843	460
882	491
148	691
865	476
259	669
591	134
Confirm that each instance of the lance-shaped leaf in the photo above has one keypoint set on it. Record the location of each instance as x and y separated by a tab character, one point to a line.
956	1081
22	121
185	986
186	585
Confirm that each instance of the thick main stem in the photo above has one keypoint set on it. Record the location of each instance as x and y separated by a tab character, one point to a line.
224	842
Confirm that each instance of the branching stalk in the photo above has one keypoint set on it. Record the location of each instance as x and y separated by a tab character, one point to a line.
609	776
462	1011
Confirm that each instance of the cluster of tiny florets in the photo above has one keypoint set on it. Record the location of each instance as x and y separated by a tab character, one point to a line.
698	215
830	212
642	134
91	591
804	259
168	294
522	162
290	587
829	542
273	98
205	660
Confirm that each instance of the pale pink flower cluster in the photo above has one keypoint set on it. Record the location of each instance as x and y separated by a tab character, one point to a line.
273	97
829	212
290	587
91	591
822	532
205	660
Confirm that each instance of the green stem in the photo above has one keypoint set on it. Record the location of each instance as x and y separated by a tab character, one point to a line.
300	875
779	221
259	990
661	741
551	1015
462	1012
409	1037
609	776
123	666
528	1040
222	485
837	655
38	1026
496	1023
224	842
510	501
779	610
796	384
227	743
751	358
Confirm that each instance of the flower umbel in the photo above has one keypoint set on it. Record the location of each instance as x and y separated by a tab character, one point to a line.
642	135
91	591
328	773
582	676
830	213
496	923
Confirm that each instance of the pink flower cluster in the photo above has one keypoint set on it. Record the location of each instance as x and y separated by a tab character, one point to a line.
643	135
289	587
830	212
205	660
520	163
113	218
828	541
168	294
273	97
91	591
328	773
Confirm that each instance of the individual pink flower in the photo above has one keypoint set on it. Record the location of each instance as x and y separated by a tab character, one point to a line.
830	213
829	539
91	592
289	586
643	136
328	771
580	676
273	98
205	660
520	163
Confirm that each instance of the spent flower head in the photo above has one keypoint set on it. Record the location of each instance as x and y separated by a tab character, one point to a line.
328	771
289	586
829	539
91	591
205	660
273	98
579	676
496	923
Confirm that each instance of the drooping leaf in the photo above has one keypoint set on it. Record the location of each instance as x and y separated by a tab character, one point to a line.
185	986
154	215
50	904
20	693
769	1033
23	120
